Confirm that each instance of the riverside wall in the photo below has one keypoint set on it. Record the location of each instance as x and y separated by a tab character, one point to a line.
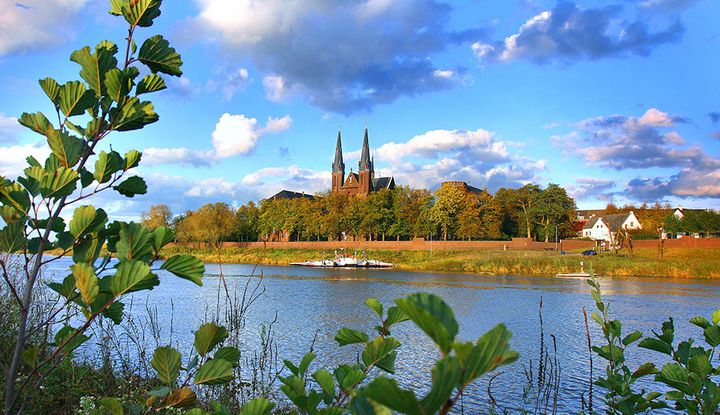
424	245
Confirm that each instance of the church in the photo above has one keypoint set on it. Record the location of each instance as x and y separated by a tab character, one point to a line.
364	181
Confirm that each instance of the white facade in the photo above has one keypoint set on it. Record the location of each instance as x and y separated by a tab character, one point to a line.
599	230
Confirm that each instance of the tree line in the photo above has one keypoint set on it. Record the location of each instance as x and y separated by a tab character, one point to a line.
657	217
450	213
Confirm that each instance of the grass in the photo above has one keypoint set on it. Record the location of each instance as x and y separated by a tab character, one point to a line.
677	263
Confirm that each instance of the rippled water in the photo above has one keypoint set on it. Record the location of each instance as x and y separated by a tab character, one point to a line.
309	301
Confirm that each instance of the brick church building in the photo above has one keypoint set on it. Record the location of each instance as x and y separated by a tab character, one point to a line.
364	181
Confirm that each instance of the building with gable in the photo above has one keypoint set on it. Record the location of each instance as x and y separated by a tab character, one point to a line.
606	227
364	181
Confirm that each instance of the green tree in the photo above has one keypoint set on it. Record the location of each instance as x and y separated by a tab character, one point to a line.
248	218
157	216
551	207
450	200
109	98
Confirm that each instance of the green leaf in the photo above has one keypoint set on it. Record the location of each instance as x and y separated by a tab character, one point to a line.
716	317
644	370
657	345
96	65
375	306
12	238
257	406
134	115
37	122
157	54
166	361
675	376
347	336
140	12
74	98
305	363
150	83
16	196
186	267
231	354
106	165
118	84
112	405
433	316
208	336
700	365
214	372
58	183
381	353
69	339
491	351
86	282
115	312
87	249
131	276
387	392
132	159
67	148
161	237
134	242
30	355
712	336
445	377
86	219
51	88
132	186
116	7
326	382
632	338
701	322
66	288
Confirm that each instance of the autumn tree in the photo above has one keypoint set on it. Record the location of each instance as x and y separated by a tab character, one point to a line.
157	216
551	207
248	218
450	201
213	224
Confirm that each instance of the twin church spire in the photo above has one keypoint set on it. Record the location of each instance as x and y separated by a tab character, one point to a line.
366	163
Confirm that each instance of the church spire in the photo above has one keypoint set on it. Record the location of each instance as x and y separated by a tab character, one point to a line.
365	162
338	165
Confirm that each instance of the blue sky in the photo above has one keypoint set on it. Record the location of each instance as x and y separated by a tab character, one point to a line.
614	100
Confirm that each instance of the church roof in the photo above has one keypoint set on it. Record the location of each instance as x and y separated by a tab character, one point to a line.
365	163
383	183
338	165
289	194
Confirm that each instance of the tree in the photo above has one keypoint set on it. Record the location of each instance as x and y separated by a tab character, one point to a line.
450	200
551	207
248	218
81	165
212	224
157	216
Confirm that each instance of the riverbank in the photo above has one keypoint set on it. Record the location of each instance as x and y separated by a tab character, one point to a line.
677	263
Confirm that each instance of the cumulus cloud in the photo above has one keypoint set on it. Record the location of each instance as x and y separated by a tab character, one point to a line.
36	24
622	142
12	158
591	188
476	156
570	33
9	129
233	135
341	56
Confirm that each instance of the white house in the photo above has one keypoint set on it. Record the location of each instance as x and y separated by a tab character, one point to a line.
599	228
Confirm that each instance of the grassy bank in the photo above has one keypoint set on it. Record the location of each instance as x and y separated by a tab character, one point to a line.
678	263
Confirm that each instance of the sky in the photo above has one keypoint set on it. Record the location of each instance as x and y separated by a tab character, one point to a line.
617	101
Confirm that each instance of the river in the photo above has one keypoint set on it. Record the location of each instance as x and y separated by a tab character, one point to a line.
314	303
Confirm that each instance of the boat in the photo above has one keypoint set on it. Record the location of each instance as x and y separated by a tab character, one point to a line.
344	261
574	275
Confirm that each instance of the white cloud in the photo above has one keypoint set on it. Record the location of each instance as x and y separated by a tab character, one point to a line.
275	88
233	135
35	24
9	129
229	82
655	118
12	159
435	142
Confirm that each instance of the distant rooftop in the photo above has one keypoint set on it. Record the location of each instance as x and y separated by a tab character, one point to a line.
289	194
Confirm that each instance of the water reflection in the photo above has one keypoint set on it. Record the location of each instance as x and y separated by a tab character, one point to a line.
309	302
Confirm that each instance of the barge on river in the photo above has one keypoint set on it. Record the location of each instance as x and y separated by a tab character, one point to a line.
344	261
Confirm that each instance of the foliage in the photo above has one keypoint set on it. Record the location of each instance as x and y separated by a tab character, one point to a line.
691	375
111	260
212	224
158	216
620	396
